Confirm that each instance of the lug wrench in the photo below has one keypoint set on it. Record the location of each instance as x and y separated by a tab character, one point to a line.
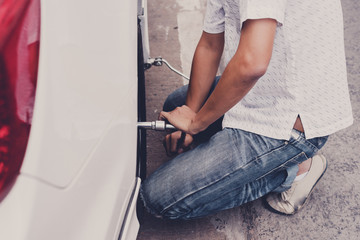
156	125
161	126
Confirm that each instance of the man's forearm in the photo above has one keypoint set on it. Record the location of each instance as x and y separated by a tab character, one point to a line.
249	63
232	87
204	67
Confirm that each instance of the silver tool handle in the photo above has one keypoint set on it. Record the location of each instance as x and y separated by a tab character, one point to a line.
155	125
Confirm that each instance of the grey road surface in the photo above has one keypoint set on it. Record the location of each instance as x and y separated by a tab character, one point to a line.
333	211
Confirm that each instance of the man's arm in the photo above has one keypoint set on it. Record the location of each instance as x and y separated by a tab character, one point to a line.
249	63
203	71
204	67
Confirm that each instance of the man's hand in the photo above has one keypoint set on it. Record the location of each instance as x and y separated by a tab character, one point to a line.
183	118
177	142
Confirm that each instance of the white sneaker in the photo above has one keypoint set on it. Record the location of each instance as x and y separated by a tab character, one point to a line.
293	199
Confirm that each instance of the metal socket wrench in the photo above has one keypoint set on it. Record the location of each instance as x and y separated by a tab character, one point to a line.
156	125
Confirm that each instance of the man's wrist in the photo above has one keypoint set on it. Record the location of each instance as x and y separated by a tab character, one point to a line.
197	125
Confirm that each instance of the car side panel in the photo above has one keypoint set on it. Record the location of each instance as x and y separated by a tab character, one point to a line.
86	85
79	170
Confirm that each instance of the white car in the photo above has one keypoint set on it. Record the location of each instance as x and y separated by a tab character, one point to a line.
70	152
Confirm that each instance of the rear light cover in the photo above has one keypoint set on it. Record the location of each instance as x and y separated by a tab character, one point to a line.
19	53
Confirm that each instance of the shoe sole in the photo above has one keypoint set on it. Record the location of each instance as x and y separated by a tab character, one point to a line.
306	199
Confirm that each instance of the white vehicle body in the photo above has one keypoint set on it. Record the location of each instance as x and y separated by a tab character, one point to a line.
78	178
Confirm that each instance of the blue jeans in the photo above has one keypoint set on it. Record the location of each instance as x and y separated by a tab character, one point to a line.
231	168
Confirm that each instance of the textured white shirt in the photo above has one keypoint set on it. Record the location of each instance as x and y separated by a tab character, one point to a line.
307	71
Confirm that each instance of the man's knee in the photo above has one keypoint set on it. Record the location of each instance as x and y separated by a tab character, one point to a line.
175	99
153	205
150	198
169	104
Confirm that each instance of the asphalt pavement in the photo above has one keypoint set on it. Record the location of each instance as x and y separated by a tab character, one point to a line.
333	211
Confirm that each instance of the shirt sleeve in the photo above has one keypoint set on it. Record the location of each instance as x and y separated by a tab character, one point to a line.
214	21
259	9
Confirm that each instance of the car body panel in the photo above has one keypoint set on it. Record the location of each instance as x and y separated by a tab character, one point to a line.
78	179
93	206
36	210
84	84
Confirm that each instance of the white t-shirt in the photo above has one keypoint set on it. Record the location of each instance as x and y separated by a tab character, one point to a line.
307	71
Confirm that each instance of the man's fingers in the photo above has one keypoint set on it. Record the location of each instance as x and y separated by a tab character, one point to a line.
188	140
175	141
185	146
180	140
163	115
168	144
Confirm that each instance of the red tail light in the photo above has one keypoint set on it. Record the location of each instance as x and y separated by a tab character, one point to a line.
19	51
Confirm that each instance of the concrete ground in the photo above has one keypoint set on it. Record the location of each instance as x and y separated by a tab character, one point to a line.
333	210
